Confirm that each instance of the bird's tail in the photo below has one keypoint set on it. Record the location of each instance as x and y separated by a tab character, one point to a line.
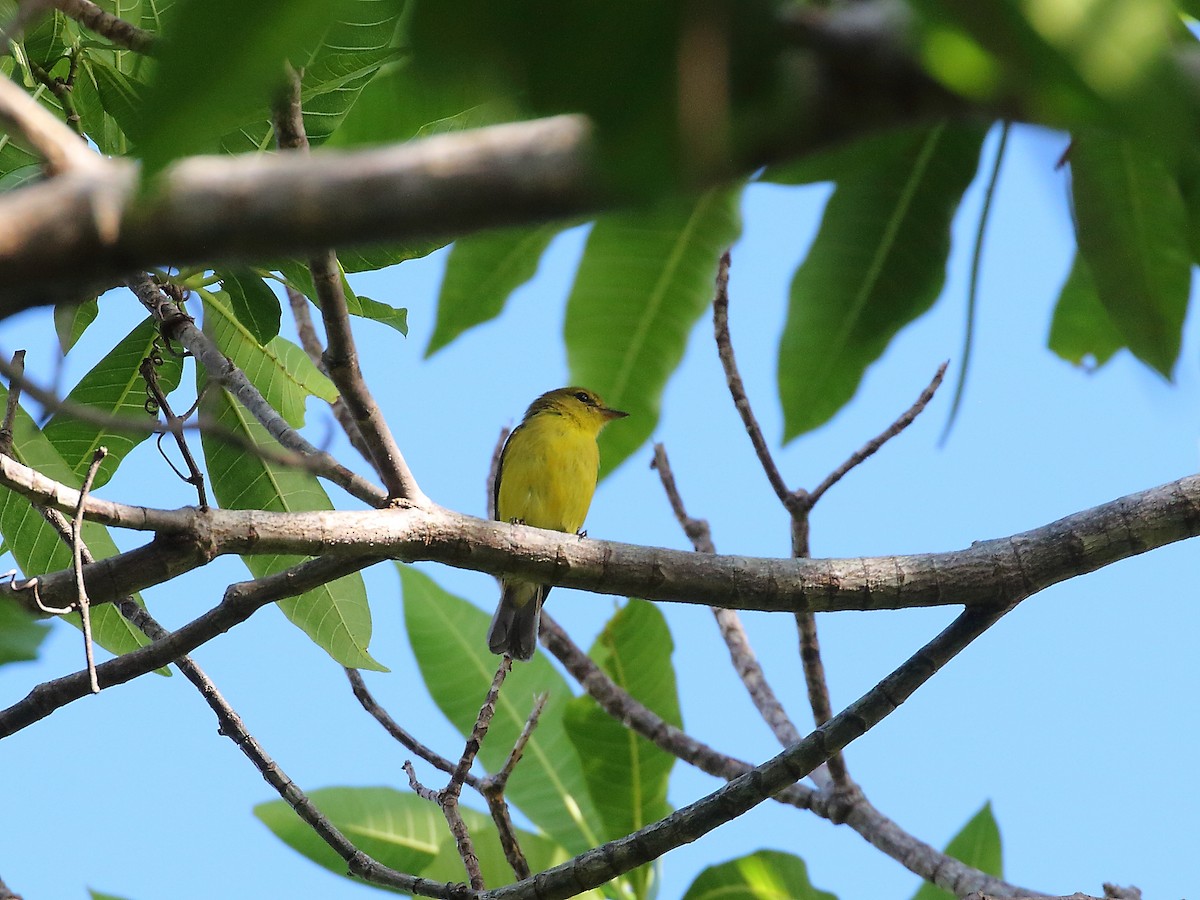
514	628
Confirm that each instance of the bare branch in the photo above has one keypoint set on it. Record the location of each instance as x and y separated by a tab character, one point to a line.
176	324
603	863
341	354
1001	570
12	403
312	346
392	727
869	448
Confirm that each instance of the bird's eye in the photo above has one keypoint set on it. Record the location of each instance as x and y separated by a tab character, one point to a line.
582	397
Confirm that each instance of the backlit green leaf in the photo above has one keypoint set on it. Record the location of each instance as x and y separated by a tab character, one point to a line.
978	845
765	875
877	263
644	280
1082	332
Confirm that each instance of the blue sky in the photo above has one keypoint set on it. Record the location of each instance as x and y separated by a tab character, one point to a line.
1074	716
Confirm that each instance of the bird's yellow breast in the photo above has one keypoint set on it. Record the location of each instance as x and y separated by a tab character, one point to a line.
548	473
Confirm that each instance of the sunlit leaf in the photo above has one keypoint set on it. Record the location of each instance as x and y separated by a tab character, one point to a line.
280	370
765	875
644	280
627	774
335	615
977	845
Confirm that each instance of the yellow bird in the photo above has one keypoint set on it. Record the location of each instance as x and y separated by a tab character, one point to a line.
546	479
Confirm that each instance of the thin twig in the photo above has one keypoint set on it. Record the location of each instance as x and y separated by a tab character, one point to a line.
85	612
392	727
194	477
178	325
312	346
868	449
61	88
737	389
17	371
518	748
341	354
745	662
493	792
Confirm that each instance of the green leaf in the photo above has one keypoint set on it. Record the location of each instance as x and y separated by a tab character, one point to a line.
37	548
877	263
299	277
20	633
482	270
195	99
644	280
401	831
447	637
335	615
1131	225
121	95
404	832
98	895
280	370
978	845
401	103
626	774
1082	332
114	388
72	319
765	875
253	302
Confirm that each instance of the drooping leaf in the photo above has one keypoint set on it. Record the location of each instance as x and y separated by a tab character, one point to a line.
281	371
1131	226
336	615
626	774
644	280
978	845
72	319
1082	332
113	388
121	95
37	547
253	302
447	637
482	270
20	633
877	263
765	875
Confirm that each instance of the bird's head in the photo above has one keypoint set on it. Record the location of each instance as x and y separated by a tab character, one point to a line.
578	403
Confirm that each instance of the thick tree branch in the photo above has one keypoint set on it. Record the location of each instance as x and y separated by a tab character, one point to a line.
1001	570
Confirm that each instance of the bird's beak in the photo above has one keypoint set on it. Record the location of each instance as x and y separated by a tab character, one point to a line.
613	413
